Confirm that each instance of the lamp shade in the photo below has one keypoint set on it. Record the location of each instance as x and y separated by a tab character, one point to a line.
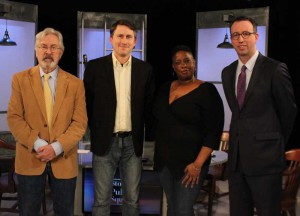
225	44
6	41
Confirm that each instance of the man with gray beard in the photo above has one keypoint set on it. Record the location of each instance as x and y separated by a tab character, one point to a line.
47	116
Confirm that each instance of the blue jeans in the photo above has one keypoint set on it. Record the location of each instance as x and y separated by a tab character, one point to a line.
32	188
121	153
180	199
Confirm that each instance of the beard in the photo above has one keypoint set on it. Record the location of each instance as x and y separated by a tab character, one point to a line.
48	63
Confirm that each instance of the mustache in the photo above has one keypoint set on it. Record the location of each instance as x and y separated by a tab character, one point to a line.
48	57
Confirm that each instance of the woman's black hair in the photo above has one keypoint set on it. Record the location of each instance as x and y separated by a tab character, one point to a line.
181	48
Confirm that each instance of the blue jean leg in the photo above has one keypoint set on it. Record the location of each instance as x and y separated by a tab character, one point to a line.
104	168
130	171
121	153
180	200
32	188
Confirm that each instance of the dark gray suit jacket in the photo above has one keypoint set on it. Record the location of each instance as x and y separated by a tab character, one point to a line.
101	101
260	130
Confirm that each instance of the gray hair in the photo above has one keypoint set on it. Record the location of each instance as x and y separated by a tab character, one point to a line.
46	32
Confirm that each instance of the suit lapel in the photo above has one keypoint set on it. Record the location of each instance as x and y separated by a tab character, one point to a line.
61	89
257	70
134	77
36	84
232	77
109	77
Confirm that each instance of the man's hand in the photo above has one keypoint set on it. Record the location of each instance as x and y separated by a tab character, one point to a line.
45	153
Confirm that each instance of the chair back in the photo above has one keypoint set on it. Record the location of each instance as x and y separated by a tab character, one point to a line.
220	171
224	143
291	182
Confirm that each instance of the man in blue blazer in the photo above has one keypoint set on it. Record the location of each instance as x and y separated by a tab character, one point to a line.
260	124
119	93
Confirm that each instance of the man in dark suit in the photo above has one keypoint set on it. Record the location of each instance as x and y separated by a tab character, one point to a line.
119	93
260	125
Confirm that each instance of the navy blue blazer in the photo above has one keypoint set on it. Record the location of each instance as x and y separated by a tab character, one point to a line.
101	101
260	130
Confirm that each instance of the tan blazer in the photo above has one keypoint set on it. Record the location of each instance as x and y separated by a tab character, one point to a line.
27	120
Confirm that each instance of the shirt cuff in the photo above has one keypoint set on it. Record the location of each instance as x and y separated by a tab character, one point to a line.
39	143
57	148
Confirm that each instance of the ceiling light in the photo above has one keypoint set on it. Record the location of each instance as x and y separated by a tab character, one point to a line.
227	18
6	41
225	44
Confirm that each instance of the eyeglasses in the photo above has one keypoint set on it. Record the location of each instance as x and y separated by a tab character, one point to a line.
244	34
45	48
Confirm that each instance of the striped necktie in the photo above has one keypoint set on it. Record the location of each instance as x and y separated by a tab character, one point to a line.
241	86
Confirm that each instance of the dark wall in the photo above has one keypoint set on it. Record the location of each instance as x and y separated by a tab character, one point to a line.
172	22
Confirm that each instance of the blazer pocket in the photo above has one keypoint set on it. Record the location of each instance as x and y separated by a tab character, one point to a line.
267	136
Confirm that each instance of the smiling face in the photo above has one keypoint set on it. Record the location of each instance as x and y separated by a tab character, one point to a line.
123	41
48	52
245	47
184	65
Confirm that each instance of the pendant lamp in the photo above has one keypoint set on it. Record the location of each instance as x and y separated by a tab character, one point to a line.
225	44
227	18
6	41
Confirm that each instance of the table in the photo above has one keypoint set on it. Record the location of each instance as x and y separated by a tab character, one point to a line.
218	157
215	172
84	160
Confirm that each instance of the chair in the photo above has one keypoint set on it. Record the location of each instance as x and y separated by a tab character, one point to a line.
216	173
8	180
291	182
220	171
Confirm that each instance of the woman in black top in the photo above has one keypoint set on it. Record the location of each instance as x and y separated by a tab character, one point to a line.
190	116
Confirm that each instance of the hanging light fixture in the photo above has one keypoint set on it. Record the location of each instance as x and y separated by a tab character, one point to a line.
6	41
225	44
227	18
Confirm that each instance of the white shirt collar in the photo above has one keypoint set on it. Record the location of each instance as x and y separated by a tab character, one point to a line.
116	61
52	73
250	63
